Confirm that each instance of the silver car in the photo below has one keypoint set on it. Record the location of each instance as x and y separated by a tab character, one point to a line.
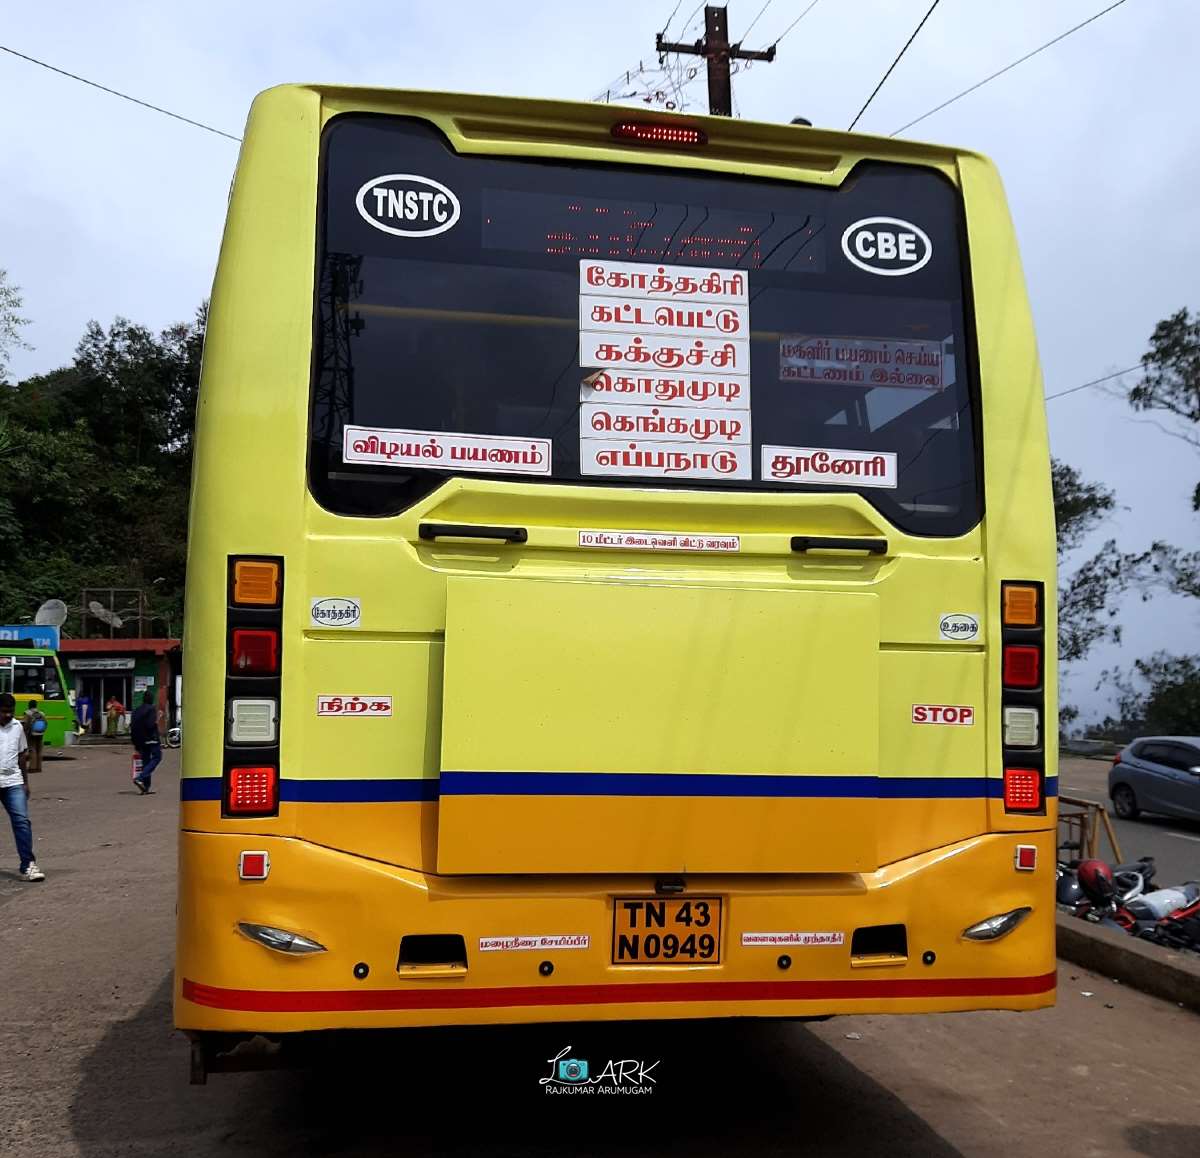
1157	774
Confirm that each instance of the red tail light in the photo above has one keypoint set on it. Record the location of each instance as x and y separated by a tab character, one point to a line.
1116	759
1022	666
648	133
254	653
252	790
1022	789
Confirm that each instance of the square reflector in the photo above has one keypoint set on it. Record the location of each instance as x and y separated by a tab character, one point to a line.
252	721
1021	727
1025	858
1022	666
254	653
1020	605
254	866
1022	789
252	790
256	582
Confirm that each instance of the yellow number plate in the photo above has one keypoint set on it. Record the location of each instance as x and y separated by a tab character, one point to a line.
660	931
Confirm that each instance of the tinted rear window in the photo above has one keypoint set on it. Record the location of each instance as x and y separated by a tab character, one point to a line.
485	316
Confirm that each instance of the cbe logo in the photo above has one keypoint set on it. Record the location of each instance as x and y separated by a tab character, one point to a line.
887	246
943	714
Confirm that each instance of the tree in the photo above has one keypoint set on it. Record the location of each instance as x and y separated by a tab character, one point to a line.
1161	696
11	323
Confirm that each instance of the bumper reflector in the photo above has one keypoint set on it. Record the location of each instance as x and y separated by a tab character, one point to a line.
254	866
1021	727
280	940
993	928
1022	789
1025	858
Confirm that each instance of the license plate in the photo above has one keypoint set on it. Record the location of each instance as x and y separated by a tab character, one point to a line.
656	931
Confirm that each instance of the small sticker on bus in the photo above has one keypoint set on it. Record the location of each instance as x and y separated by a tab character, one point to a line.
911	363
958	625
659	541
797	939
648	316
961	714
627	349
335	611
552	941
662	424
687	283
346	705
446	450
710	392
616	456
811	464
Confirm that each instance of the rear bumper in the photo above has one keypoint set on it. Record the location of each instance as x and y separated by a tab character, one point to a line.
359	909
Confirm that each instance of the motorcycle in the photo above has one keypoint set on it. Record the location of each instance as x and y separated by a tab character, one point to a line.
1120	898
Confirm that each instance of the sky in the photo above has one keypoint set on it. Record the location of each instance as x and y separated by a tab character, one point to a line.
110	209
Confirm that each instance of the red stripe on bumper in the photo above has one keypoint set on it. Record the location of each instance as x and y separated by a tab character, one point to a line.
361	1000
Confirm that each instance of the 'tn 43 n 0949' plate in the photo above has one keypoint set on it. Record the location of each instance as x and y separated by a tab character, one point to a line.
661	931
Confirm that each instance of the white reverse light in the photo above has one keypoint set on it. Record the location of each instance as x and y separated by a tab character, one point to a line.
252	721
1022	727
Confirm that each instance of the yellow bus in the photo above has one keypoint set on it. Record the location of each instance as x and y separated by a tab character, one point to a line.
620	581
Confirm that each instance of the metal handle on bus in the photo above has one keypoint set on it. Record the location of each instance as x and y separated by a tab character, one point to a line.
836	543
431	531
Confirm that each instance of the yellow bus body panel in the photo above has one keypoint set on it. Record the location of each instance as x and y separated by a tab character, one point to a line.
365	849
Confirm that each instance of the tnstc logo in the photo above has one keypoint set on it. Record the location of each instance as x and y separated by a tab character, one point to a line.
408	205
887	246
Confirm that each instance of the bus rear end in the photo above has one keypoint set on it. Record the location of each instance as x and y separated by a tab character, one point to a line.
620	577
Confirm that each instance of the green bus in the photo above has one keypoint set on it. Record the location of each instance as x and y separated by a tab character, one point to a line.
33	674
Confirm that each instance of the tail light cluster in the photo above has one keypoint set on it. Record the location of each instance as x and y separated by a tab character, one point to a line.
1023	698
253	660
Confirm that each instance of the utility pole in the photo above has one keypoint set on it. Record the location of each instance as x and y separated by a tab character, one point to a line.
717	52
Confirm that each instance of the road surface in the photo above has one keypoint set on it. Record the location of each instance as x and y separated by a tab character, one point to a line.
1174	844
89	1064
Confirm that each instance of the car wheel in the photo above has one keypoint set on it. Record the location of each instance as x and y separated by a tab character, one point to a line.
1125	803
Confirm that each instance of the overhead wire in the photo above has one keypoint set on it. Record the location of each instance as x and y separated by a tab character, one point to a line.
1093	382
1006	68
899	55
794	23
750	26
123	95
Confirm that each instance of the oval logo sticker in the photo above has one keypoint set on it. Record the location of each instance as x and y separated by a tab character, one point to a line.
336	611
887	246
407	205
958	625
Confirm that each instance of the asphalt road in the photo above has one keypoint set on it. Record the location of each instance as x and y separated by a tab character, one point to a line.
1174	844
89	1064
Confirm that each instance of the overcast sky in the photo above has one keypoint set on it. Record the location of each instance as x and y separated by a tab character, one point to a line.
107	208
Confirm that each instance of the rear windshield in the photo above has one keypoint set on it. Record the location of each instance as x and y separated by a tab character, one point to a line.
627	326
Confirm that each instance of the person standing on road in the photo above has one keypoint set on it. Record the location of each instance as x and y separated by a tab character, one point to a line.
34	722
14	786
143	731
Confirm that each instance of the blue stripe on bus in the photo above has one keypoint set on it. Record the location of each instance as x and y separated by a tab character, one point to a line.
621	784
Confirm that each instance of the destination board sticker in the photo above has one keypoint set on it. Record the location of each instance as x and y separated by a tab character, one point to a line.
958	625
444	450
626	350
671	282
906	362
552	941
668	424
812	464
797	939
712	392
660	541
646	459
347	705
648	316
334	611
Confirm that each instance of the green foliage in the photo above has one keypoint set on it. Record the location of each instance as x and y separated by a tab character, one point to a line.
1160	697
11	321
95	466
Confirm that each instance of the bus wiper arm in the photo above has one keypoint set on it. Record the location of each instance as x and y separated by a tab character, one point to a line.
431	531
837	543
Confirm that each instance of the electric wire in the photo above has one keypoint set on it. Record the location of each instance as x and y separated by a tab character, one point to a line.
899	55
1006	68
753	22
123	95
1093	382
795	22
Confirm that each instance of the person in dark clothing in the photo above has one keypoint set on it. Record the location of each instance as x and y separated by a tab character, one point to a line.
143	731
